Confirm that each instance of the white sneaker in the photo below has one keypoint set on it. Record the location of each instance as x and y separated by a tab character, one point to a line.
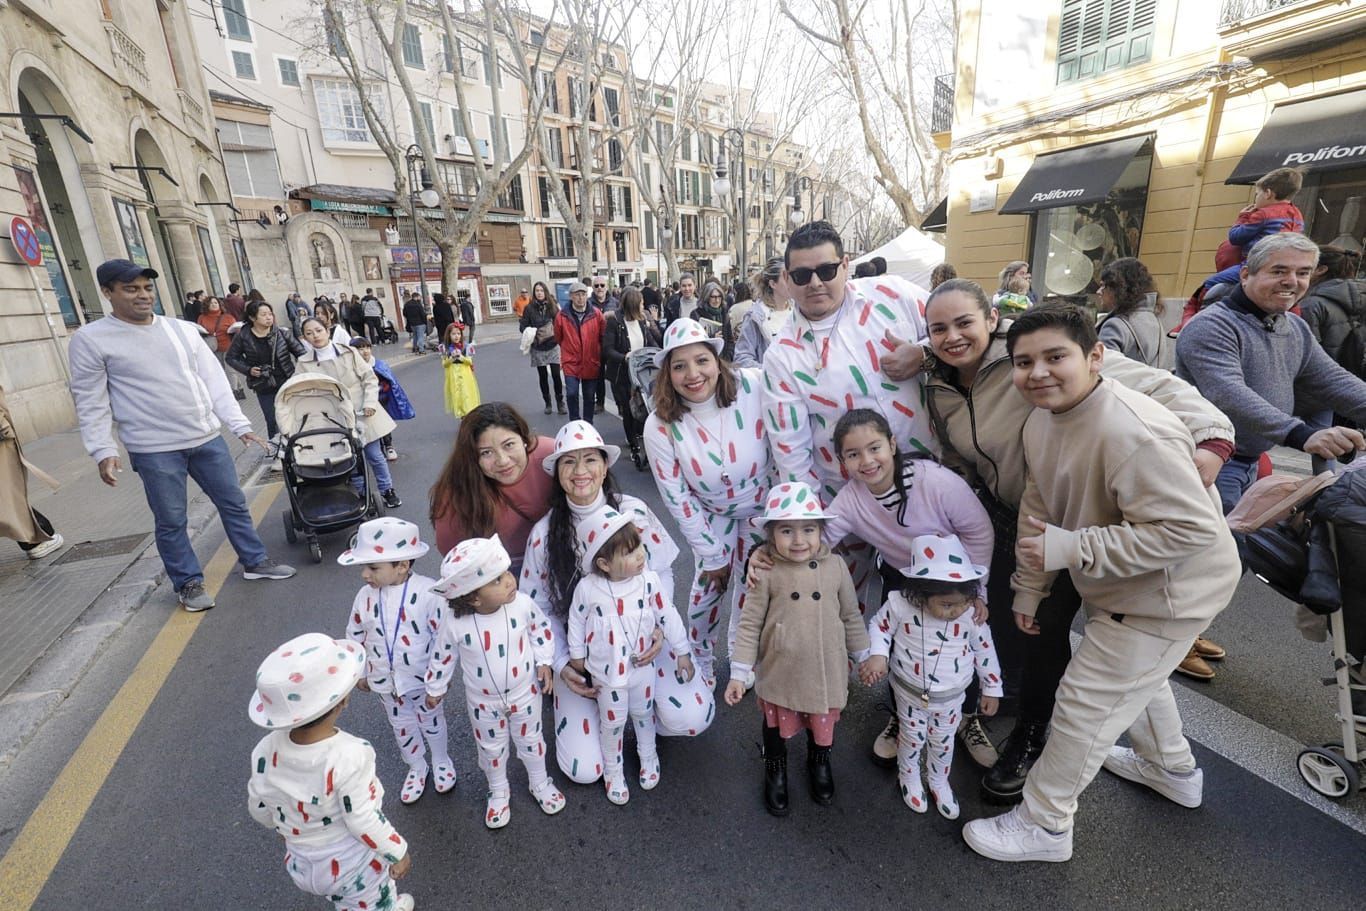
1014	837
974	737
884	747
1187	790
404	903
50	546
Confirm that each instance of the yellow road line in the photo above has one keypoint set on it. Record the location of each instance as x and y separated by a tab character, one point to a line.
25	868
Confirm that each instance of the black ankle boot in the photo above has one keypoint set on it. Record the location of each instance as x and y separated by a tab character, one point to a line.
1004	782
775	772
818	769
638	456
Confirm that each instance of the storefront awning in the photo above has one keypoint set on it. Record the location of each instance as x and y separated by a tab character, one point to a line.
937	220
1322	134
1073	177
335	192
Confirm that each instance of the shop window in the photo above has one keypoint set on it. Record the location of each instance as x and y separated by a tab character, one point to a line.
1073	243
1334	207
1097	36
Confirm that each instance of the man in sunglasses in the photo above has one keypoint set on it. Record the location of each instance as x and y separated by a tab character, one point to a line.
603	298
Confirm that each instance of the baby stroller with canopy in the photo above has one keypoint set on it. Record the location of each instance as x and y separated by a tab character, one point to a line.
1316	556
642	373
320	452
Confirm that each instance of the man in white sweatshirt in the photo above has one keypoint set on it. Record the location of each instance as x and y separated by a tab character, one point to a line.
168	394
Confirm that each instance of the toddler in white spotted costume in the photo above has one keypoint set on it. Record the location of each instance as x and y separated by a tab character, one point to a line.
505	649
395	618
613	614
934	648
315	785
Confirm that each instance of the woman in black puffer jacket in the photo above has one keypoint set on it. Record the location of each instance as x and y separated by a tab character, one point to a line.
1335	299
265	354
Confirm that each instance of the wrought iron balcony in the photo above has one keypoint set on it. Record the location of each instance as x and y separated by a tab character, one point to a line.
941	113
1234	11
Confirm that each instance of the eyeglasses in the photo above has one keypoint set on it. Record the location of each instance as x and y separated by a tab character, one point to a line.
803	276
714	297
599	286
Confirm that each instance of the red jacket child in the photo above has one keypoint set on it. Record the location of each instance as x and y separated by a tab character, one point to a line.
1255	222
580	340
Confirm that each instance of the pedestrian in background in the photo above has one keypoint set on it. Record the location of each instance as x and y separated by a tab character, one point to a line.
942	273
466	317
1133	322
442	314
461	388
1014	294
545	350
579	331
628	329
234	303
264	354
19	521
326	313
392	398
372	313
519	305
415	321
217	322
342	846
169	435
770	312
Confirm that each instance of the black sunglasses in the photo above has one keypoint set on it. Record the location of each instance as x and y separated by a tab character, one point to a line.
803	276
599	286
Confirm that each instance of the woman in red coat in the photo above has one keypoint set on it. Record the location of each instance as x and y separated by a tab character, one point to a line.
579	329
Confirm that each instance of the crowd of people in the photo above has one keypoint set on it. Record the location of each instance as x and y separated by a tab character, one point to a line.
925	485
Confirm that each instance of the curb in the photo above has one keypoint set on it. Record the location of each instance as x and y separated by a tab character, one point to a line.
40	692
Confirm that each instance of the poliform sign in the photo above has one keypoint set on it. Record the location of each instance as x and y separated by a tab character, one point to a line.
1324	154
1056	194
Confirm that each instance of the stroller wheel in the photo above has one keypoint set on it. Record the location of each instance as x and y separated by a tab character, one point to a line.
1328	772
290	534
316	551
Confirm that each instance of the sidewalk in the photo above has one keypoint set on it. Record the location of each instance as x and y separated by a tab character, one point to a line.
67	605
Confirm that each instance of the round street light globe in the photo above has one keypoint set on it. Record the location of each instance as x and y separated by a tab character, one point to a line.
667	233
798	218
721	185
429	198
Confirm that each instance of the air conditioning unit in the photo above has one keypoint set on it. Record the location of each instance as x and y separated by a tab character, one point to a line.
458	145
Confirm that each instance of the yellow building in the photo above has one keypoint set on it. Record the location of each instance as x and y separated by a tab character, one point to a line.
1086	130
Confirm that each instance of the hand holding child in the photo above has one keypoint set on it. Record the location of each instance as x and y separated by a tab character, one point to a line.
1026	624
987	705
546	675
735	691
979	611
400	869
574	677
432	701
656	646
363	685
685	668
872	670
1029	551
760	562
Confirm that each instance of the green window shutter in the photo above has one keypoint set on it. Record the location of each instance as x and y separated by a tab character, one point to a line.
1096	36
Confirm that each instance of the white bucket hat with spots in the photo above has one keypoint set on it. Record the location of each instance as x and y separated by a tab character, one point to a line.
792	502
685	332
594	531
470	565
383	540
577	435
941	559
305	679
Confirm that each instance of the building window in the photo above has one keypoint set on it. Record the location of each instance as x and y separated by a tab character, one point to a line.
615	156
457	124
543	191
424	110
340	112
1097	36
249	158
235	20
685	144
689	232
243	65
493	74
664	135
1332	205
612	99
619	243
335	28
537	38
511	197
1072	243
556	147
412	47
289	71
548	91
558	243
648	238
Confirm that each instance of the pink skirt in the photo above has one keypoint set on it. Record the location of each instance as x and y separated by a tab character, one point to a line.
789	722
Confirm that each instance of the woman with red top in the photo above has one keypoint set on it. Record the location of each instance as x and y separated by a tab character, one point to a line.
492	482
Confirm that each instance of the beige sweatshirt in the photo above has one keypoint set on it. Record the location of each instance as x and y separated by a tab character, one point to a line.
1127	515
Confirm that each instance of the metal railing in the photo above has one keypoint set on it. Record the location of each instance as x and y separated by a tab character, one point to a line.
941	112
1234	11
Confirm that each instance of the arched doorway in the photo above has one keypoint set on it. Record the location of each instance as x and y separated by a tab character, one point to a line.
55	200
209	246
153	173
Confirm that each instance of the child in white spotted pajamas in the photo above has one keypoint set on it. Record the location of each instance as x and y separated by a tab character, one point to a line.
613	615
315	786
934	648
504	649
395	618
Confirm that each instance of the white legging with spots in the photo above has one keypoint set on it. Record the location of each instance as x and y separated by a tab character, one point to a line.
414	723
929	730
495	725
615	705
704	604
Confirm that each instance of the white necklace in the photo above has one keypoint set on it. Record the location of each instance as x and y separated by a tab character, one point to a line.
925	673
506	645
620	622
723	452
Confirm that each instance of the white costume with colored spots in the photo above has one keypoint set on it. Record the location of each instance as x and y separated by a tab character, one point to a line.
397	625
324	799
498	654
681	709
713	468
609	624
931	662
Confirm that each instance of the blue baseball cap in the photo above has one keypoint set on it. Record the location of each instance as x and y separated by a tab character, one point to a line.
121	270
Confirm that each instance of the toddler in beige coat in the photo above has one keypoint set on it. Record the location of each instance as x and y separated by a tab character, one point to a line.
800	625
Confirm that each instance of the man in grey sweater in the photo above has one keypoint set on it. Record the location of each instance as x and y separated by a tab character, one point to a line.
168	394
1258	363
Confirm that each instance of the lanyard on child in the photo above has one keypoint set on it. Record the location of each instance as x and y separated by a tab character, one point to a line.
391	644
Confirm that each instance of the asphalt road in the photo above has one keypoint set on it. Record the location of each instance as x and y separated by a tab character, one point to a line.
168	829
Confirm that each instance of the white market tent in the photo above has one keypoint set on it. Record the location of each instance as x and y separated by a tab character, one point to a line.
911	255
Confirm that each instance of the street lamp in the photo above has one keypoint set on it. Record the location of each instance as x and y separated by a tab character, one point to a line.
722	185
428	198
797	218
666	231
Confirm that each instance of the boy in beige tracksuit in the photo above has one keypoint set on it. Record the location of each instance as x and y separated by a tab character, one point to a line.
1113	497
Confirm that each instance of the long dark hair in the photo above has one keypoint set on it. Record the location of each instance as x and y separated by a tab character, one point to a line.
562	542
548	304
462	489
867	417
670	406
1131	283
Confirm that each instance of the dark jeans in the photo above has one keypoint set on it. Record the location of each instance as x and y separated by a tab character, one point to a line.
547	372
164	476
267	402
621	392
600	393
572	384
44	525
374	328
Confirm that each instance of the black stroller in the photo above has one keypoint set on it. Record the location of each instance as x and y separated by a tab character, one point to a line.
321	451
1317	558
